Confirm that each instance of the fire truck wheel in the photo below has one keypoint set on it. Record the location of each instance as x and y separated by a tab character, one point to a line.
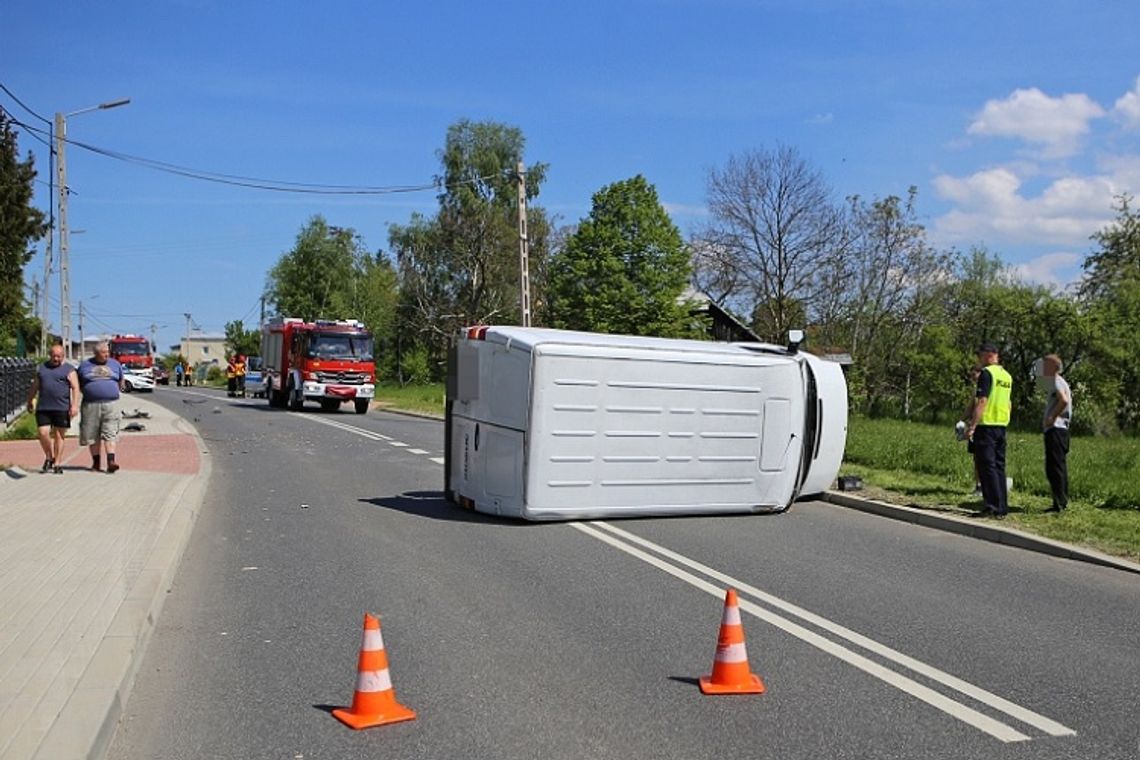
361	405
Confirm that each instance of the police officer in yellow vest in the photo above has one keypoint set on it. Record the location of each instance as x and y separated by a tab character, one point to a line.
987	428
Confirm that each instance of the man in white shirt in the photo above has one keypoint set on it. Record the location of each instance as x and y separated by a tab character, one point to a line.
1058	413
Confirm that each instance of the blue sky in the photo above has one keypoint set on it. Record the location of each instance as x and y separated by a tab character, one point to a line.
1017	121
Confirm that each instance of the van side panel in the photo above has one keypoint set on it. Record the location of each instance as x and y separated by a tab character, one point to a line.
626	432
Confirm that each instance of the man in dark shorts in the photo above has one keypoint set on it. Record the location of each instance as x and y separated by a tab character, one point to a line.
57	386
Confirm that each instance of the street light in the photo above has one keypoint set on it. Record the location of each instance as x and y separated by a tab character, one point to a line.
61	176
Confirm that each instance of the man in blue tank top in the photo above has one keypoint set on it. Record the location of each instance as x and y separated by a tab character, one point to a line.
100	379
57	387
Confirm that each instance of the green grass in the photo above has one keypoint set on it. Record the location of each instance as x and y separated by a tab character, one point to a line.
922	465
425	399
23	429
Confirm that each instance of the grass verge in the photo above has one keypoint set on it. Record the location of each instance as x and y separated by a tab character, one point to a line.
923	466
424	399
23	429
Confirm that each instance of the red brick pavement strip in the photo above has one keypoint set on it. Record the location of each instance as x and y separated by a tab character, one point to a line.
175	453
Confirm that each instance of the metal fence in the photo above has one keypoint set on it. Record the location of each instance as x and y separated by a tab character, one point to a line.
15	379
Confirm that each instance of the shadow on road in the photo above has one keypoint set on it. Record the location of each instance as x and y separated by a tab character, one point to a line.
432	504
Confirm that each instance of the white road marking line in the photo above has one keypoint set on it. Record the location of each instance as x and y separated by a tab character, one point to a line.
438	460
397	443
1051	727
416	451
984	723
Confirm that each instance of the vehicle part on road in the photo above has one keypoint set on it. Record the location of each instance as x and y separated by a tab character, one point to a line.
730	673
554	425
374	700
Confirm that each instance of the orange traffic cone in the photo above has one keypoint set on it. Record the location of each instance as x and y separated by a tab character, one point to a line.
374	701
730	673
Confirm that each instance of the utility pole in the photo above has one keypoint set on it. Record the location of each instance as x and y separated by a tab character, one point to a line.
524	250
261	323
153	330
64	274
184	349
61	178
36	311
48	249
81	341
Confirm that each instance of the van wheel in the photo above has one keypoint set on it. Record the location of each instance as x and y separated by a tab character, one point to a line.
361	405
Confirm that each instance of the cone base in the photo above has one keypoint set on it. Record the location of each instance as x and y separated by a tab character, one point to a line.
753	685
395	714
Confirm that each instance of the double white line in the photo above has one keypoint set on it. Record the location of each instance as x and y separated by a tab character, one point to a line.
629	543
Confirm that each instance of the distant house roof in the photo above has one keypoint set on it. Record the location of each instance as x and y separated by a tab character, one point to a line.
723	325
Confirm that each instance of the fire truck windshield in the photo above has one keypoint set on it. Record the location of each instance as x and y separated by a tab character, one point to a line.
128	349
340	346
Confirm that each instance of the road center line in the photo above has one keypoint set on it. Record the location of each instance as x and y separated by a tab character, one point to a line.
1029	717
968	715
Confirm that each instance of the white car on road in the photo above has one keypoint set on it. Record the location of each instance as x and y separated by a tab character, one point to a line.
136	381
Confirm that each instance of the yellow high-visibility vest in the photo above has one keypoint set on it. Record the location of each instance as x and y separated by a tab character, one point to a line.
998	404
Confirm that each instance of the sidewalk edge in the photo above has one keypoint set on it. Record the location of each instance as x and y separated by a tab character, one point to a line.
985	531
87	723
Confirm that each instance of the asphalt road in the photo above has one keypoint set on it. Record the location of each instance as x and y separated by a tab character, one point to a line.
876	639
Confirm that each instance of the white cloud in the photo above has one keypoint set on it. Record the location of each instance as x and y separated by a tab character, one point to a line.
1127	107
821	118
1056	124
991	207
1057	269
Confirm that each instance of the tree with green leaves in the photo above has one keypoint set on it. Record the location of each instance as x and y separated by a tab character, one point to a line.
329	274
21	225
1110	294
624	269
461	266
242	341
315	279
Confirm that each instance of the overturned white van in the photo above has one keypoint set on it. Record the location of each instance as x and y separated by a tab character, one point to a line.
557	425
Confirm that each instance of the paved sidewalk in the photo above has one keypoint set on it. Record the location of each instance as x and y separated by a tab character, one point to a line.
87	559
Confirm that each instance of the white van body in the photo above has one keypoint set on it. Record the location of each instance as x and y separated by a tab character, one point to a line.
553	425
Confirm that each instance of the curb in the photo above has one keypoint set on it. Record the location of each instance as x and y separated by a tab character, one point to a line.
87	723
984	531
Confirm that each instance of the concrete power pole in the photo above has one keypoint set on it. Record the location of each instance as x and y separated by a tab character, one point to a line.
64	274
153	344
524	250
36	310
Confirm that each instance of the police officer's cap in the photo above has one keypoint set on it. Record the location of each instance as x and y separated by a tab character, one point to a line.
987	348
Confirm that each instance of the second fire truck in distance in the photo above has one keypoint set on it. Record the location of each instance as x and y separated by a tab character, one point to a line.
133	352
328	361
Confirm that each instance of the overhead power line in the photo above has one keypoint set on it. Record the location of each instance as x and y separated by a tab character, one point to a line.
12	95
280	186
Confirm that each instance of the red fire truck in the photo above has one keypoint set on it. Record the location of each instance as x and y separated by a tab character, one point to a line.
325	361
133	352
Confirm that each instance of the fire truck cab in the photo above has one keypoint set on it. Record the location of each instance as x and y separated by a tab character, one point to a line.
133	352
327	361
